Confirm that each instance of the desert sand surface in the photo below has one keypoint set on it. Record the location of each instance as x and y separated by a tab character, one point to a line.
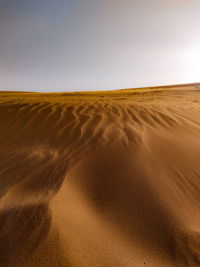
100	178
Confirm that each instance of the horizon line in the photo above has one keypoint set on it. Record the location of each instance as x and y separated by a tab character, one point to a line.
109	90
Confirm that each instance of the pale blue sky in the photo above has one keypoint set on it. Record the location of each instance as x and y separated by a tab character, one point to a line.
76	45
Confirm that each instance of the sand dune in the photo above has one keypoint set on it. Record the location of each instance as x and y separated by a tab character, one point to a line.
100	178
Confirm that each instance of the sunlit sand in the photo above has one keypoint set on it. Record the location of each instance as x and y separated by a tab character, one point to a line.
100	178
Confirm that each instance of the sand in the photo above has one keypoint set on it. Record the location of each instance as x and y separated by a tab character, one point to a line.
100	178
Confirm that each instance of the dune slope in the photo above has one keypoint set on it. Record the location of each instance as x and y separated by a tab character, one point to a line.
100	179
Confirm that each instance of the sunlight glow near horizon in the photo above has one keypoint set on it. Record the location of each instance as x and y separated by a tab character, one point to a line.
79	45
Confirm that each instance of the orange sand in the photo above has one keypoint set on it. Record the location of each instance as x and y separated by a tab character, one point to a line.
101	178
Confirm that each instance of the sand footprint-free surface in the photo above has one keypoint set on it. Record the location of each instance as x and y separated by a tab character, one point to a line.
101	178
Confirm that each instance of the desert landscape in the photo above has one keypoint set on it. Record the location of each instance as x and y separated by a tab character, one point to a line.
100	178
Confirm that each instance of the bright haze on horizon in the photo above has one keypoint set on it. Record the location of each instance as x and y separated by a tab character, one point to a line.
78	45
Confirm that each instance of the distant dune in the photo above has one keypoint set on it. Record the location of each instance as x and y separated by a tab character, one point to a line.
100	178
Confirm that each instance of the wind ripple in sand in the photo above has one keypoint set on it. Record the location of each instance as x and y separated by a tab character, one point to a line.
106	179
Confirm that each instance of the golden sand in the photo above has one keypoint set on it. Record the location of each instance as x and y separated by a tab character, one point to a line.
100	178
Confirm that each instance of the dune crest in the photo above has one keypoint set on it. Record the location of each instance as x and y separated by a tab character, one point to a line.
100	179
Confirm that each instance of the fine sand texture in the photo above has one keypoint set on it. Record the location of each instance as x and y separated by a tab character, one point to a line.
100	178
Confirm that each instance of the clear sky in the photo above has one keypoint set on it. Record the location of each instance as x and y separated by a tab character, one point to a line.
76	45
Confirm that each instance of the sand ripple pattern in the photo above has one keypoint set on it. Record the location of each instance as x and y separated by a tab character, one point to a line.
106	179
